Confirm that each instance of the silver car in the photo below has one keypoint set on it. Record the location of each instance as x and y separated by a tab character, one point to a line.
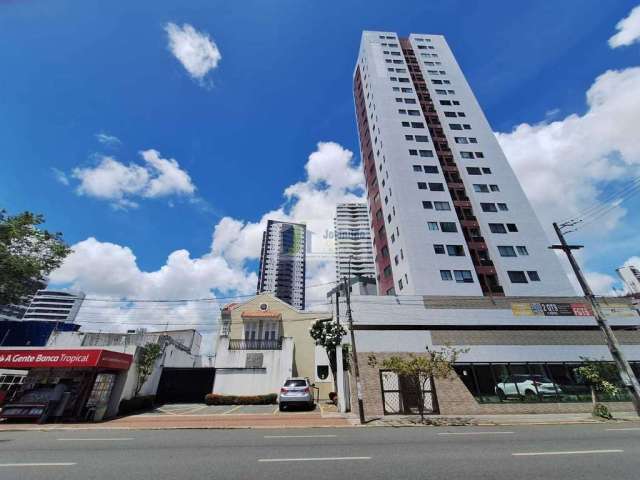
296	391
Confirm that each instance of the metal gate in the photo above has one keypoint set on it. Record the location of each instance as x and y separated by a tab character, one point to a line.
400	395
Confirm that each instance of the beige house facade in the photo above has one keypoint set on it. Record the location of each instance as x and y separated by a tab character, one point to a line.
264	341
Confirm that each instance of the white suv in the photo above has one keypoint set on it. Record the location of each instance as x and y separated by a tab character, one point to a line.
530	387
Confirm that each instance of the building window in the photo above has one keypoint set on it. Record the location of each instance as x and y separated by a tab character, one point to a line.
486	170
422	185
433	226
417	168
533	276
473	171
463	276
455	126
396	260
480	188
438	249
436	187
503	207
497	228
466	154
426	153
488	207
517	277
427	204
422	138
430	169
494	188
461	140
512	227
387	271
506	251
522	250
446	275
400	284
448	227
385	251
455	250
442	206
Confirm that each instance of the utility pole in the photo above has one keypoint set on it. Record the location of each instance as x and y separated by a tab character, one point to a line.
624	369
356	369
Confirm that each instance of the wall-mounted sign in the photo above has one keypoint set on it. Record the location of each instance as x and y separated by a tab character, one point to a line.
552	309
64	358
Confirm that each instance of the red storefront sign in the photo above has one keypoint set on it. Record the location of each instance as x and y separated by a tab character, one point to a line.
64	358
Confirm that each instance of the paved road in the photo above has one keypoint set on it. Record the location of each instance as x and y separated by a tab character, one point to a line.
583	452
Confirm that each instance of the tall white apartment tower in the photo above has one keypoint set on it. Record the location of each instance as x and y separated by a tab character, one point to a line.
448	215
352	235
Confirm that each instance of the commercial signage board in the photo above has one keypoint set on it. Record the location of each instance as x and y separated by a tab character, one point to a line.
63	358
551	309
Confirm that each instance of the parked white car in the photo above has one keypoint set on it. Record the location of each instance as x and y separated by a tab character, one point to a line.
531	387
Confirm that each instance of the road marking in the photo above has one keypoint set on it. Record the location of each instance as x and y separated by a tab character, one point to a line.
622	429
316	459
575	452
95	439
300	436
232	410
476	433
59	464
192	410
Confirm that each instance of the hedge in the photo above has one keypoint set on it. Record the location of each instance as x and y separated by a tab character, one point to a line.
136	404
214	399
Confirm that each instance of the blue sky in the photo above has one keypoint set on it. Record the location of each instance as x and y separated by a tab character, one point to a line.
243	134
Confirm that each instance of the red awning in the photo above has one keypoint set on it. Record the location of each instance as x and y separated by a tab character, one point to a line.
26	358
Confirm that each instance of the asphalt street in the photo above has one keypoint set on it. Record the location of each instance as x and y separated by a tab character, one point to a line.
567	452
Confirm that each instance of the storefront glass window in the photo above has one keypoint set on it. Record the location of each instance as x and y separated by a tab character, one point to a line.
534	382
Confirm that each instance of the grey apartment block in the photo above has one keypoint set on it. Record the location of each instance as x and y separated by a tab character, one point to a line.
283	262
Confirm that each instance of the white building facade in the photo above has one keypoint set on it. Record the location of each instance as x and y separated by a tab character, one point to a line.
352	234
448	215
630	275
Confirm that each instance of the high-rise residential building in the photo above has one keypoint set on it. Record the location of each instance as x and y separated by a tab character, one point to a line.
448	214
630	275
56	306
283	262
352	236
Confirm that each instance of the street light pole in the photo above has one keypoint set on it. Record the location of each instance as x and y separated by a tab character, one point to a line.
356	368
624	369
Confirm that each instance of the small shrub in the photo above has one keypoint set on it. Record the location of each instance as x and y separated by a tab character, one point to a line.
602	411
136	404
215	399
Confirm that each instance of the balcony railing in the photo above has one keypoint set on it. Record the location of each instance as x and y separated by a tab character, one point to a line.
245	344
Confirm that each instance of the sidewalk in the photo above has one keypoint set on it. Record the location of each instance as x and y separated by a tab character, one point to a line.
498	420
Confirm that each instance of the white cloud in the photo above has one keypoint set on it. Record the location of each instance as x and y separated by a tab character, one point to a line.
601	283
108	140
60	176
632	261
566	164
108	270
197	52
628	30
119	183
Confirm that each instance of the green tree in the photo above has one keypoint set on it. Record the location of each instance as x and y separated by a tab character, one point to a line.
600	377
419	370
27	255
328	334
147	357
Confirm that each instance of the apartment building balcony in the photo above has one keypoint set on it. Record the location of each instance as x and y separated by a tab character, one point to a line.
255	344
